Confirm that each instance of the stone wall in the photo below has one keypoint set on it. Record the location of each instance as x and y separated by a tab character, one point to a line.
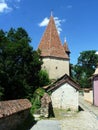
56	67
46	106
13	113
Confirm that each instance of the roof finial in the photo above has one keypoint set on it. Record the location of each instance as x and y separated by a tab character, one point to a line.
51	12
65	39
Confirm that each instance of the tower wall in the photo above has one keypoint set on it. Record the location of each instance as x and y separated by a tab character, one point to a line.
56	67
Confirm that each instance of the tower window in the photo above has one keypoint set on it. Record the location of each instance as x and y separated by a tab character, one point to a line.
56	67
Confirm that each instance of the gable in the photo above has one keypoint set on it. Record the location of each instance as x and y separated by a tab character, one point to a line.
63	80
65	88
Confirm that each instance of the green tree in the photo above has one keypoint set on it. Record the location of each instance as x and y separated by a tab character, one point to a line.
19	65
85	67
43	78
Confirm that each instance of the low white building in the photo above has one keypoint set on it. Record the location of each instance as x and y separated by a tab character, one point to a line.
64	93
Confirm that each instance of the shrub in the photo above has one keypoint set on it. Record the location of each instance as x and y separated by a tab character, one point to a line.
36	100
43	78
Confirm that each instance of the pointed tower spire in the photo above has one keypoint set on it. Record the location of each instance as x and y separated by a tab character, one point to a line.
66	48
50	44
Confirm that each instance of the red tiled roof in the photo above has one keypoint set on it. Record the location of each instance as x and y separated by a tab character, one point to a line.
62	80
50	44
13	106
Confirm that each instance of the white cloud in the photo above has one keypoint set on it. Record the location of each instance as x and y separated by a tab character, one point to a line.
4	7
8	5
44	22
57	22
96	52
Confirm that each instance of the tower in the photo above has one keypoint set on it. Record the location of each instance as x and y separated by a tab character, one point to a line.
54	55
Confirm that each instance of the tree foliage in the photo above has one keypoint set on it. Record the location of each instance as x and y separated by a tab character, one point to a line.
19	65
43	78
36	100
85	67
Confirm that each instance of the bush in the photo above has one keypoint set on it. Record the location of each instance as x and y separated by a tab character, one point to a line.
43	78
36	100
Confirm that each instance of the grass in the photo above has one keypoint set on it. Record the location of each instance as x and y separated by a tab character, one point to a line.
63	113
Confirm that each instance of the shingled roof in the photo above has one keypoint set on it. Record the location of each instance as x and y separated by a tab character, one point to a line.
62	80
8	108
50	44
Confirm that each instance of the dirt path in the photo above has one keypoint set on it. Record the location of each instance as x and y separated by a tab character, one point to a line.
84	120
88	107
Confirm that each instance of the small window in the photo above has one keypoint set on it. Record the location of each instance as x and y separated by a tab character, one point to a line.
56	67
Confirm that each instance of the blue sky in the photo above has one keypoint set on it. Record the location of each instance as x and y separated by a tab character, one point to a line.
76	20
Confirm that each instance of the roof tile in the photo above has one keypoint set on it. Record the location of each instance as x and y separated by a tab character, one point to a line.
50	44
13	106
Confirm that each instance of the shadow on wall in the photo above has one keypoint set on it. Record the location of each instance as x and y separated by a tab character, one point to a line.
14	113
27	124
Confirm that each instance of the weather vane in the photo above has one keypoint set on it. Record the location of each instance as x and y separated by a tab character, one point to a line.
52	12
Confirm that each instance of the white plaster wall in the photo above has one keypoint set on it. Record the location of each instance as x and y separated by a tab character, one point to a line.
56	67
65	97
89	96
